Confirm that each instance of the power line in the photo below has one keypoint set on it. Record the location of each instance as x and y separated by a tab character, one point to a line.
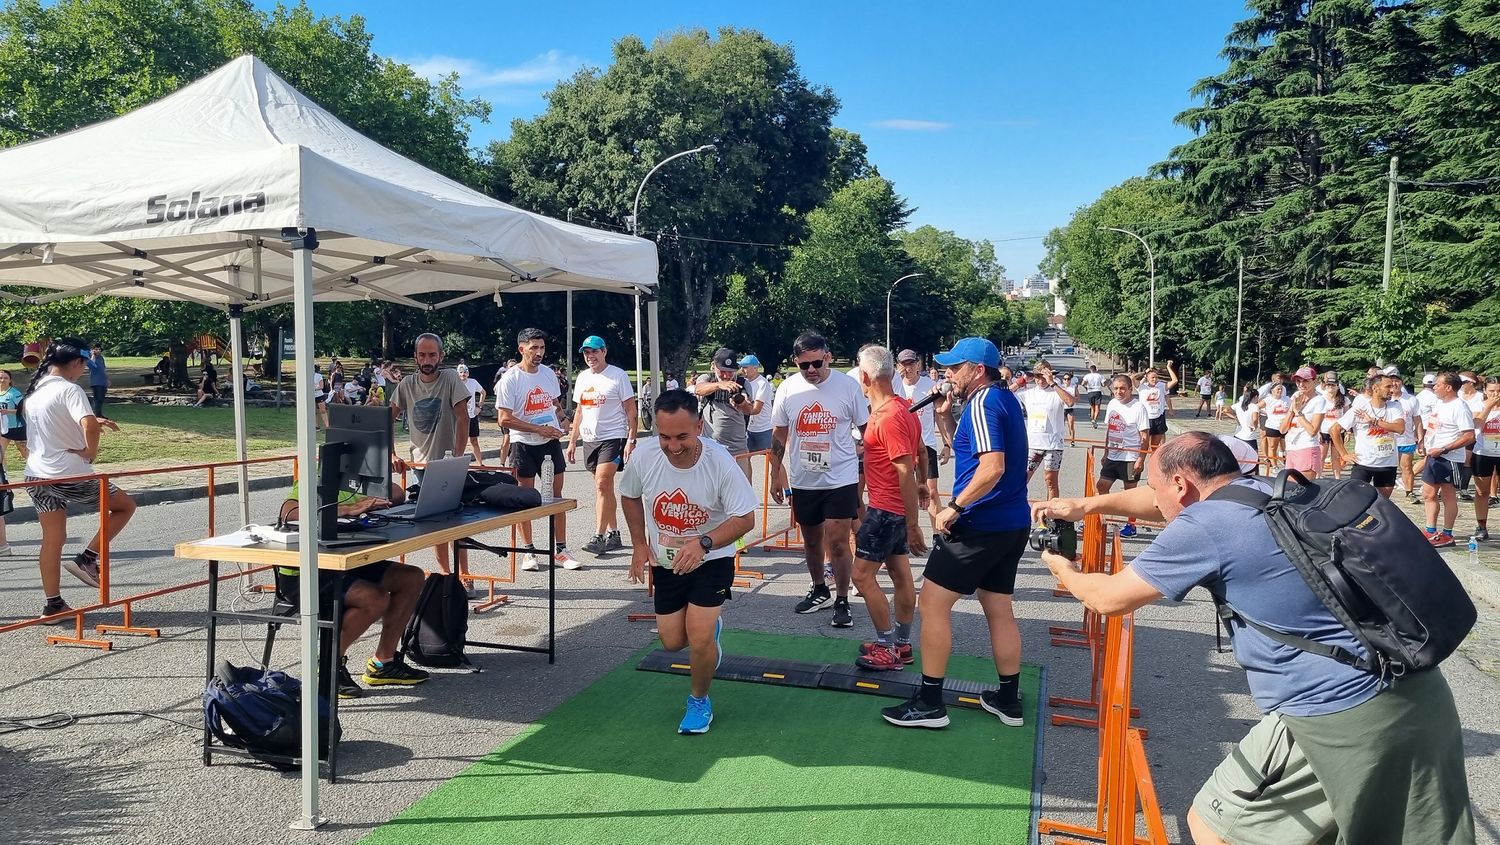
1463	184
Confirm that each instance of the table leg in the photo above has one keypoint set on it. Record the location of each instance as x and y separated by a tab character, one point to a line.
333	676
208	674
551	590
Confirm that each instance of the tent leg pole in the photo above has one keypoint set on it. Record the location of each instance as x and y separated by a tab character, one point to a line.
640	364
568	395
303	242
655	330
237	345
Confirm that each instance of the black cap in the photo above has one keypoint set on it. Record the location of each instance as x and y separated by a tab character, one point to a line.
725	359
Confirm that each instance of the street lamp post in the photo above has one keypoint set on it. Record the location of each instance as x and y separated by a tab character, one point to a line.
1151	260
888	305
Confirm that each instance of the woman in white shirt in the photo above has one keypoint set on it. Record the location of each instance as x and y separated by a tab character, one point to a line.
1277	409
1245	413
63	434
1486	455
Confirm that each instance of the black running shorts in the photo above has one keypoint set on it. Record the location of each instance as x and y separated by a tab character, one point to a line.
473	426
1158	425
1118	471
881	536
529	458
1486	466
1094	398
706	586
966	561
814	507
603	451
1374	476
932	463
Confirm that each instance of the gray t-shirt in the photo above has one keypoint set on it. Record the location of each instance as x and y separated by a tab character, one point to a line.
1227	548
429	412
726	424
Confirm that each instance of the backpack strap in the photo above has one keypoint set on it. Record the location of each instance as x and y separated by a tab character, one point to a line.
1344	656
1240	494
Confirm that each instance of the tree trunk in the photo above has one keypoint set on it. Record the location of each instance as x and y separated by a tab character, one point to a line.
178	354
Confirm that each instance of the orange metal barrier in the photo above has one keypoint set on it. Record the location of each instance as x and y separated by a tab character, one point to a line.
127	603
1094	635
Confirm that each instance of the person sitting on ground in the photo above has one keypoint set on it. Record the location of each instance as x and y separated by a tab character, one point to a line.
387	591
208	384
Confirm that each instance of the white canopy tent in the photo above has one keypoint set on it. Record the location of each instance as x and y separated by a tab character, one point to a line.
238	192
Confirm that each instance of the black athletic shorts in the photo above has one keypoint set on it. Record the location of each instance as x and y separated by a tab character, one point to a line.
1158	425
1325	439
932	463
289	583
706	586
1254	444
1437	470
1094	398
1068	411
1273	434
812	507
1118	471
881	535
473	426
966	560
528	458
610	451
1374	476
1486	465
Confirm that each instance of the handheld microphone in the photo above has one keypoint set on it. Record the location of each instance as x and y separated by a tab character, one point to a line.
944	389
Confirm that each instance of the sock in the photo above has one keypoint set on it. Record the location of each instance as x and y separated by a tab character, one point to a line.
1447	532
903	633
378	664
931	691
1010	688
559	547
883	637
54	599
1431	529
819	585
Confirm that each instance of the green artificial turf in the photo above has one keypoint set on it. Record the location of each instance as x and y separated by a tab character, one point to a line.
780	765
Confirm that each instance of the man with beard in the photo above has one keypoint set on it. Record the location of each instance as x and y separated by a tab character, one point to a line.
436	405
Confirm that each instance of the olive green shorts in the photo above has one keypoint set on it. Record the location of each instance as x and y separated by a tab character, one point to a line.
1390	770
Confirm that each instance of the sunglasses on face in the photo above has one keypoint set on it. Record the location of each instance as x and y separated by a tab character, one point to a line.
810	365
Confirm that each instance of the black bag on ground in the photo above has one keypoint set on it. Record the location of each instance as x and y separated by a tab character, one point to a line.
1370	565
260	712
438	628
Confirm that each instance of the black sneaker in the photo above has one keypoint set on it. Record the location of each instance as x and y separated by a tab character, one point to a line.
84	569
1481	534
816	599
612	541
596	544
1010	714
393	671
915	713
347	687
842	618
1465	496
52	608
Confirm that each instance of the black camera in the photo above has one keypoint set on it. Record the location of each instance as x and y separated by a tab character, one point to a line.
1057	536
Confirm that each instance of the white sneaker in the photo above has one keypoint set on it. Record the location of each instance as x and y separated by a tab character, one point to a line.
567	560
530	563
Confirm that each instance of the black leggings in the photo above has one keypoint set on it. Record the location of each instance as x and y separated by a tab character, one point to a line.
1466	472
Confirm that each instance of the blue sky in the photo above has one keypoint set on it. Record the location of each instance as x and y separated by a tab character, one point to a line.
994	119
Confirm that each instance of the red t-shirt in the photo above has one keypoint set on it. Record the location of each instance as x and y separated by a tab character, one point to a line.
892	432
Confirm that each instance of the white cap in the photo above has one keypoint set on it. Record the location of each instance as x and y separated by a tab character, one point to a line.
1429	379
1391	370
1243	453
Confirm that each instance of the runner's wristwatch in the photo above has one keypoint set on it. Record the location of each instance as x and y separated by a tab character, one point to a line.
706	542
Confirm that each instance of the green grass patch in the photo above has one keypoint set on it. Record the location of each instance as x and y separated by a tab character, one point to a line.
781	765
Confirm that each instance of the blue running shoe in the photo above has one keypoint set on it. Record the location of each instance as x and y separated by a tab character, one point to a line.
718	649
699	715
1127	530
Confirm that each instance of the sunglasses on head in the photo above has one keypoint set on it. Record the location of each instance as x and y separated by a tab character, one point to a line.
810	365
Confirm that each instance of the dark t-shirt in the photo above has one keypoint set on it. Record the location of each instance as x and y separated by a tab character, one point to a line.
992	421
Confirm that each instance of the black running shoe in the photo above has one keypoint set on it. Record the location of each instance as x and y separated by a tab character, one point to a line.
842	618
84	569
347	687
54	607
613	541
1010	714
915	713
816	599
394	671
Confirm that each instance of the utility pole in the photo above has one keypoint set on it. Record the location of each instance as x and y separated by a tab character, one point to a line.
1390	228
1239	319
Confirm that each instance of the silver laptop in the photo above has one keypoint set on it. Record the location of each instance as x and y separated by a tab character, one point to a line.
441	491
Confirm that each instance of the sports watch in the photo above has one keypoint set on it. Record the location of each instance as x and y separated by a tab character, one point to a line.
706	542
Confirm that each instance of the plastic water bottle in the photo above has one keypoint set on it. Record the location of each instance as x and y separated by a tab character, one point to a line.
1473	551
544	479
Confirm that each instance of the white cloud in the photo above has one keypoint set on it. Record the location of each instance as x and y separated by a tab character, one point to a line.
474	75
908	125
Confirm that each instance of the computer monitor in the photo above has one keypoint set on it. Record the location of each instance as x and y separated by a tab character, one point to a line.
366	436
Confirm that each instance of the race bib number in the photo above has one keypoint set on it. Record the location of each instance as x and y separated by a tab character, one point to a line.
1037	421
1383	445
587	430
671	545
815	455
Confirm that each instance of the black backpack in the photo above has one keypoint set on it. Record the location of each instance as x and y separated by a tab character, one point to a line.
438	628
260	712
1370	565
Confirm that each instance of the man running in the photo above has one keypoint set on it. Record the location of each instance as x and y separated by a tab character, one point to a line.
982	534
1376	420
814	415
700	504
1126	429
1449	425
1093	392
527	404
606	422
914	386
1153	395
1045	401
891	530
476	401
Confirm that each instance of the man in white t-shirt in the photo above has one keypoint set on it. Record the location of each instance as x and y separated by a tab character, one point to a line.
1126	429
606	423
1376	422
1449	430
937	422
1427	396
1205	392
527	404
1304	451
1045	401
476	401
815	412
762	399
686	503
1093	393
1411	429
1154	393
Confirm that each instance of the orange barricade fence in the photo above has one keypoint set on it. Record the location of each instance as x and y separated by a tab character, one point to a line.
1095	634
788	539
1126	795
127	603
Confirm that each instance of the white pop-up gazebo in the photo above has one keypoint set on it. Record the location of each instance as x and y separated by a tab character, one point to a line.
238	192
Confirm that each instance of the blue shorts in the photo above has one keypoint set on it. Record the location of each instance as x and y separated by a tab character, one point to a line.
1410	449
1437	470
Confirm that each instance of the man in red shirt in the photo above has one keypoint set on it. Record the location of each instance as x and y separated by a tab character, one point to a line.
891	531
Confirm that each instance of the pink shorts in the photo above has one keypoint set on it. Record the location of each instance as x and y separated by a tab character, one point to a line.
1305	460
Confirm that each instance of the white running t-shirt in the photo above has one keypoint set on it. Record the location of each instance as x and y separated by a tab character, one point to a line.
819	419
1489	435
684	504
1044	417
1297	436
759	389
1444	423
1374	449
1154	397
601	400
1126	424
1246	418
474	388
54	412
914	393
532	397
1205	386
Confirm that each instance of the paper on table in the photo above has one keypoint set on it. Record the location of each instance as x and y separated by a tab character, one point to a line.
236	540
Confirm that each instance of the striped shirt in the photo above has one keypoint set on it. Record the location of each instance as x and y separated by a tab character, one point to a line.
993	421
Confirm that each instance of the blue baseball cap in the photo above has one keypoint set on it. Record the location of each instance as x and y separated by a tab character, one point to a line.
593	341
749	361
972	350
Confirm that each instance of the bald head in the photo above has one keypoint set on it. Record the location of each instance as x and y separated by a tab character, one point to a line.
1197	455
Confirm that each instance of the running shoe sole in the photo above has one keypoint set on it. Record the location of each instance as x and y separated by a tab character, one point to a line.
80	573
377	681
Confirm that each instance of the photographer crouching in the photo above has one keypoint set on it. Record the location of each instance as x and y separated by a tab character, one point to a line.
725	407
1342	754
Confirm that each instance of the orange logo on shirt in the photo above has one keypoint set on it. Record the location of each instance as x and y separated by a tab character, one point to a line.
813	420
591	398
676	515
537	401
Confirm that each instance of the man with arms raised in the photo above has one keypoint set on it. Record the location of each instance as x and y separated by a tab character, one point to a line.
891	530
1045	402
436	404
982	534
527	405
686	503
815	412
1340	752
1154	393
606	421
